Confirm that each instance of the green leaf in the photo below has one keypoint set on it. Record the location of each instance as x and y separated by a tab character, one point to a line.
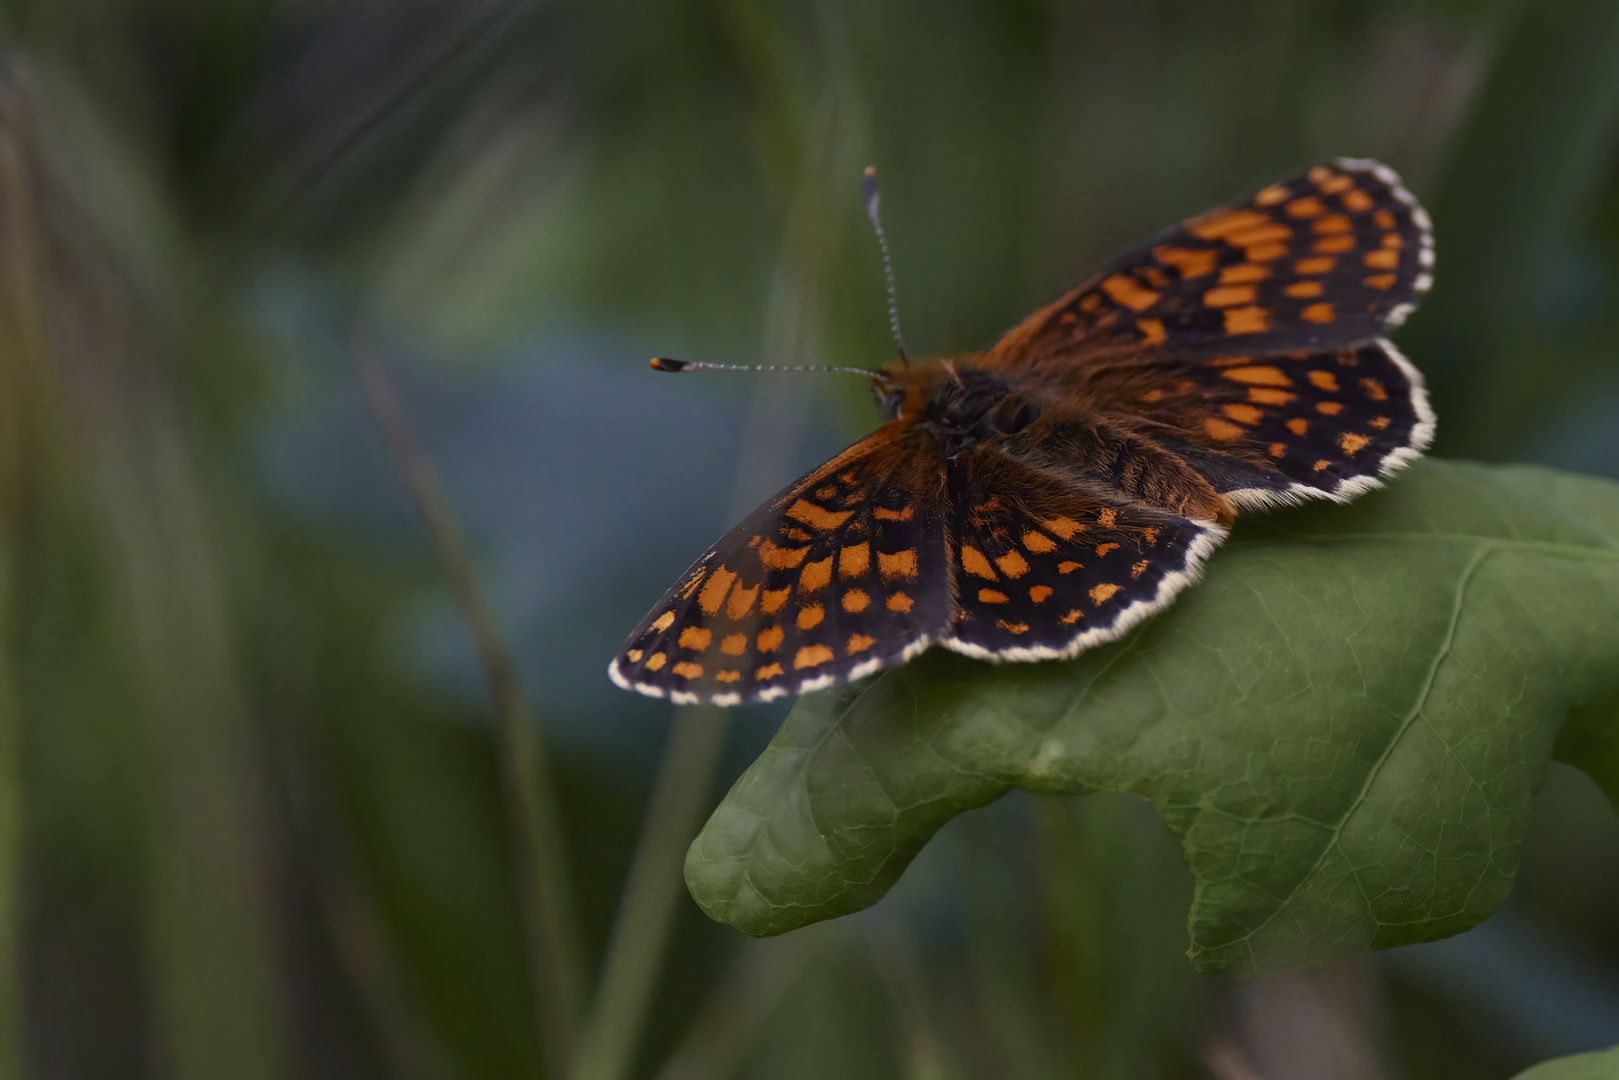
1345	724
1597	1065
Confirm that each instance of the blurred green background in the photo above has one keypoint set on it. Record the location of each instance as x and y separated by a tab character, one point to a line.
252	820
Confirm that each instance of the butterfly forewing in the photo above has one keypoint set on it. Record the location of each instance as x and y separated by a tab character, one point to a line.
1045	570
839	574
1327	259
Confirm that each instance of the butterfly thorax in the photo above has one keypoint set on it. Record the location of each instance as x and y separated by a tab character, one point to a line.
955	401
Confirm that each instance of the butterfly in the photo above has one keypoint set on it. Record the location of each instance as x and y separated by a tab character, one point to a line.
1045	496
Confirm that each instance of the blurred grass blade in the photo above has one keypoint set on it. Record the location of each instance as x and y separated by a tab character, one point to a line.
551	922
641	931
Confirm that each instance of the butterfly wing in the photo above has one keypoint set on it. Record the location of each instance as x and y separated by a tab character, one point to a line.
1046	568
1328	259
842	572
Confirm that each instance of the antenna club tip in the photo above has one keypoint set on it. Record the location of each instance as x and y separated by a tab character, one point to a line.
871	170
663	363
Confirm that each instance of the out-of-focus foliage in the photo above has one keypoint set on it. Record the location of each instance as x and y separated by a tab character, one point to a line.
251	815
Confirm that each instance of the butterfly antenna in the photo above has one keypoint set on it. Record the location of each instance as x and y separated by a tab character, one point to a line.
664	363
869	187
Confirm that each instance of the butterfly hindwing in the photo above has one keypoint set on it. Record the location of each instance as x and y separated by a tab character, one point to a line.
1327	259
1044	570
842	572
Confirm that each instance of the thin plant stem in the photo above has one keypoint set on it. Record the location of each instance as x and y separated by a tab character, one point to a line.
641	930
557	965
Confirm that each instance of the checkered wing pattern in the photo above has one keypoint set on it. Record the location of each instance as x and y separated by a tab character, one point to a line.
1328	259
1045	569
844	571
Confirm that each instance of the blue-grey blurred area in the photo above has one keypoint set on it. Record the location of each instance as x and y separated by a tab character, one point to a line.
256	817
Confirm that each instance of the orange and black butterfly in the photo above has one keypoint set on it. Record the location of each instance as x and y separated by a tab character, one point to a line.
1034	500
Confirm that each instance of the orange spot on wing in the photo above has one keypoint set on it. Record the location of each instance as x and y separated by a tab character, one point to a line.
1138	569
1038	593
1261	253
898	602
664	621
634	656
1277	449
811	656
1264	395
1151	396
1380	422
1103	549
1073	617
859	643
1126	290
656	661
1381	281
1258	375
1069	567
734	644
1012	627
1351	443
992	596
695	638
1332	223
1272	195
1393	240
1303	289
1269	233
1222	223
1012	564
741	601
1381	259
973	561
1384	219
1307	207
1223	430
1227	295
1191	262
1102	593
817	517
1152	331
1243	414
1329	408
882	513
713	593
1318	313
1332	182
773	600
1321	465
780	558
855	600
727	676
687	670
815	575
854	561
769	671
1298	425
1324	380
810	617
1356	200
1247	320
1243	273
1064	528
769	639
1332	245
900	565
1039	543
1315	264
